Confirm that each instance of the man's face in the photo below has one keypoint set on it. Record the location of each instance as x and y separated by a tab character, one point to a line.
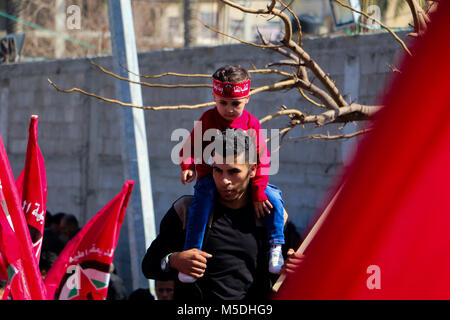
64	228
232	179
164	289
230	109
55	227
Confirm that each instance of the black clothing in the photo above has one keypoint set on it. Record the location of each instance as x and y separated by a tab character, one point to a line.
116	288
232	241
51	242
238	243
292	238
141	295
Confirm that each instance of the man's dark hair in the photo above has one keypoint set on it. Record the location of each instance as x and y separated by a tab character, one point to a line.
231	73
141	294
48	219
71	220
232	143
56	219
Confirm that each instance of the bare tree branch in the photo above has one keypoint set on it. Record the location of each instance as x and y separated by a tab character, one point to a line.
299	37
324	95
330	116
379	22
270	10
420	18
281	85
295	112
334	115
155	85
204	75
298	50
125	104
240	40
332	137
320	94
175	74
317	104
289	63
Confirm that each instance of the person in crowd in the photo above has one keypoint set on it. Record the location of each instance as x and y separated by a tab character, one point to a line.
233	263
69	227
116	287
51	241
46	261
164	289
2	287
141	294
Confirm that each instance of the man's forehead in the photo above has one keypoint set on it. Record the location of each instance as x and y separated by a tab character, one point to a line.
230	161
164	284
229	167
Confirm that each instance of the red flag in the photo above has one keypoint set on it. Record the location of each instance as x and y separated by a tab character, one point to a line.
30	266
3	275
17	286
387	235
3	263
32	187
81	271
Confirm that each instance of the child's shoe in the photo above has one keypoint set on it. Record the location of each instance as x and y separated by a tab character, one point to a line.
186	278
276	259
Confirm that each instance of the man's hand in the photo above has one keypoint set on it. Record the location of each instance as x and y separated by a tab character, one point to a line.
191	262
293	261
262	207
187	176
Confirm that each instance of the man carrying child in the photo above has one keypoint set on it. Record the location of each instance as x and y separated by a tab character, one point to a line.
231	92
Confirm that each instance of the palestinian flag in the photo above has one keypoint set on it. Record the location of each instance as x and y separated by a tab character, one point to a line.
32	187
17	286
18	230
3	266
4	210
81	271
92	276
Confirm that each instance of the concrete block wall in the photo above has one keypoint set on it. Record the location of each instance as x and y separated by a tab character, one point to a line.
79	136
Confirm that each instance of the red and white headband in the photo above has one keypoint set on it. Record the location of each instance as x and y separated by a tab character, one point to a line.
231	90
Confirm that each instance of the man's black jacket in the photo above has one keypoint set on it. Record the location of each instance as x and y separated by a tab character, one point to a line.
171	239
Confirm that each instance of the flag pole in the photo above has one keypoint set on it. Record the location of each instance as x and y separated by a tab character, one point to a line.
141	215
312	233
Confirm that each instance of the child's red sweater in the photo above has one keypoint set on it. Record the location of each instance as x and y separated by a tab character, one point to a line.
211	119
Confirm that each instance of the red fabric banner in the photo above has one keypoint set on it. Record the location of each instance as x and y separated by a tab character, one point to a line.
3	264
387	235
32	187
3	275
30	265
81	271
17	286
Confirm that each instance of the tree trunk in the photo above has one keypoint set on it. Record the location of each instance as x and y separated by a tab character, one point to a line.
14	8
190	24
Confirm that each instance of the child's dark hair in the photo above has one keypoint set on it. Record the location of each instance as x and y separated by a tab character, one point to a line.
231	73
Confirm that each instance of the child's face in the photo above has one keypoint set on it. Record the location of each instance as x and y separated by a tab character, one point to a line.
230	109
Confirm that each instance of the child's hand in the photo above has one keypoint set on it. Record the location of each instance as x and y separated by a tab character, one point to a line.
187	176
262	207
